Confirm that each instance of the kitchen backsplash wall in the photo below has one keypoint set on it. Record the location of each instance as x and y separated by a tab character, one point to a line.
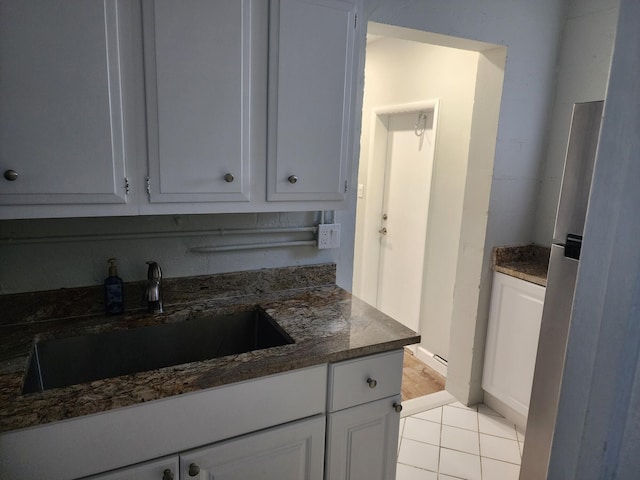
47	254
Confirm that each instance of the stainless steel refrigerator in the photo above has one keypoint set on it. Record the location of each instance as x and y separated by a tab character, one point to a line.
563	267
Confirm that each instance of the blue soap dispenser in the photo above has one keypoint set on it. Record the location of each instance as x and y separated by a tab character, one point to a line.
113	291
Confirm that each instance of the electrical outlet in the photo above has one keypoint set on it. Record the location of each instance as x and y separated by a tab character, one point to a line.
328	235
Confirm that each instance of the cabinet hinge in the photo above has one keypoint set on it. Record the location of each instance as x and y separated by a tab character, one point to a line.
355	21
126	185
345	186
148	180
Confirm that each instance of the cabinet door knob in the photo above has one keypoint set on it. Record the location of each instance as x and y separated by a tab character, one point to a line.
383	231
397	407
10	175
292	179
167	475
194	470
228	178
372	383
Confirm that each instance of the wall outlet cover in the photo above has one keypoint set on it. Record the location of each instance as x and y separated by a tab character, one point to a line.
328	235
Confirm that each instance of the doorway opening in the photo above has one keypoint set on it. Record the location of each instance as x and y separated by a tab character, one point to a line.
430	117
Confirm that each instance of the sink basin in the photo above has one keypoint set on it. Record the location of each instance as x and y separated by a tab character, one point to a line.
68	361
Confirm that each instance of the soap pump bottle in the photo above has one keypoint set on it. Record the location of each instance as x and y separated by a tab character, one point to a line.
113	291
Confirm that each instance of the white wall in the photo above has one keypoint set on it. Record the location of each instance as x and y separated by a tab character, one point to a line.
584	62
397	72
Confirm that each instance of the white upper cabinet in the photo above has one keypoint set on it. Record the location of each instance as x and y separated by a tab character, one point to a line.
310	83
199	72
113	107
62	138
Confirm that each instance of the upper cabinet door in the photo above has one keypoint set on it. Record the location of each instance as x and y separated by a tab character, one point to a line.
198	64
310	84
61	112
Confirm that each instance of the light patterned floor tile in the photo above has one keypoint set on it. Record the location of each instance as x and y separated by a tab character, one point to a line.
496	470
400	430
499	448
482	408
418	454
463	435
458	417
407	472
463	406
422	431
459	464
433	415
460	439
497	426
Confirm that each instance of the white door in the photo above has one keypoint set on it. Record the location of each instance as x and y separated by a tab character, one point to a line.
403	223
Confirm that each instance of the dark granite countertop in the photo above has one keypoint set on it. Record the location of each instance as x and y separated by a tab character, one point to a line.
527	262
326	322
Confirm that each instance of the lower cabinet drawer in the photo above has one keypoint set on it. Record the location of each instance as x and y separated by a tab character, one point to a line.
365	379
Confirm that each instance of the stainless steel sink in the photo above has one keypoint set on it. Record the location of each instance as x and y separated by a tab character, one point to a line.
68	361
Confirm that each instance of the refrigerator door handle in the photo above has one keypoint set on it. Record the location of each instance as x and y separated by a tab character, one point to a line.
573	246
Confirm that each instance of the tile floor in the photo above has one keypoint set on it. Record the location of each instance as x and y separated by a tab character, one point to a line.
458	442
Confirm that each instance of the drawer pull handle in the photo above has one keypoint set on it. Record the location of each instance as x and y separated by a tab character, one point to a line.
167	475
194	470
228	178
292	179
372	383
397	407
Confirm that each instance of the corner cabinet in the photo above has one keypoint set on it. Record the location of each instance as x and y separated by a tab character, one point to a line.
63	108
311	62
512	344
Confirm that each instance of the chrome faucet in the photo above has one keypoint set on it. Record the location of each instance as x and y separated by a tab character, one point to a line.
153	294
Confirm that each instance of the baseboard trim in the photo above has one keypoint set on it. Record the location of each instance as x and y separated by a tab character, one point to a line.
422	404
505	410
427	357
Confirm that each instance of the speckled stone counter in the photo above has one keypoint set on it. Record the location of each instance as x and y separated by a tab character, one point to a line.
326	322
527	262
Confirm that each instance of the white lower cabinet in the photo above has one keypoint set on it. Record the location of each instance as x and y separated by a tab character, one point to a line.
512	344
290	452
293	451
270	428
363	441
364	417
161	469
